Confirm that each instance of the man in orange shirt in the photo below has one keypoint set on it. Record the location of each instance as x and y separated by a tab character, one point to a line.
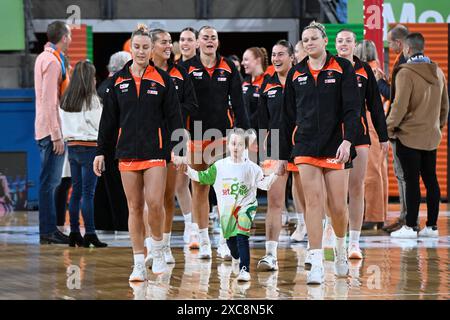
50	79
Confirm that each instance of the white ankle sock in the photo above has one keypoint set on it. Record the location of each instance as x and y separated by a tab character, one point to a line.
148	244
300	218
354	236
157	244
271	248
166	239
187	218
138	258
203	235
194	227
340	243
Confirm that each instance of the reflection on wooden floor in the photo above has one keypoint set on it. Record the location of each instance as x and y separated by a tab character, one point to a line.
391	269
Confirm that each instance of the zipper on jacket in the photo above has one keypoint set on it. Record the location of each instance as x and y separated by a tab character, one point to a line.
364	125
230	118
118	137
293	135
160	138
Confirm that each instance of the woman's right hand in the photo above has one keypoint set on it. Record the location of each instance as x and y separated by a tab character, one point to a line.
99	165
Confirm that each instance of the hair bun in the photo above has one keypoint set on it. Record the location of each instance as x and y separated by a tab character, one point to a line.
142	27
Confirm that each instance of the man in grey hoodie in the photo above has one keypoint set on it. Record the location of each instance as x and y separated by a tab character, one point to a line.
418	115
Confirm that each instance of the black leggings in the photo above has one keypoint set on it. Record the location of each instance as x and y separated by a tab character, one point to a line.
240	249
415	164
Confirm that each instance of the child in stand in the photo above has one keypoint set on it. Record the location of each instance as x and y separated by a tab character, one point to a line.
235	180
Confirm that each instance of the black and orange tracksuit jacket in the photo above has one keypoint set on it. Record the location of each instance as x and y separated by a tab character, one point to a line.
186	93
219	97
370	100
269	107
317	117
251	91
139	126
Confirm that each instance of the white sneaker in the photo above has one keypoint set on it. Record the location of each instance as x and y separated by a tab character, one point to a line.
285	218
404	232
244	275
267	263
159	263
354	252
308	262
205	251
316	275
224	252
187	232
328	238
149	260
429	232
194	242
168	257
138	290
139	273
340	263
299	233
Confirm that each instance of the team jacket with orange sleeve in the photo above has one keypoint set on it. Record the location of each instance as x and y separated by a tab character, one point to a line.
317	117
269	107
186	93
251	92
219	96
370	99
139	127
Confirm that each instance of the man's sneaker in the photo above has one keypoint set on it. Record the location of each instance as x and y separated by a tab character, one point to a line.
224	252
328	238
340	263
299	233
187	232
244	275
56	237
308	263
316	275
354	252
429	232
194	242
405	232
139	273
168	257
138	289
396	225
159	263
267	263
205	251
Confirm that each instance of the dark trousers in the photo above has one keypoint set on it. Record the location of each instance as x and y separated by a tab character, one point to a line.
110	203
240	249
61	193
415	164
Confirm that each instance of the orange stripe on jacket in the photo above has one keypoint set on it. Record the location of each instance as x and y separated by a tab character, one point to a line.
153	75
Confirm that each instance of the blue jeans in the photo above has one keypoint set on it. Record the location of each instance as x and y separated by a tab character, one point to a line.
84	181
49	179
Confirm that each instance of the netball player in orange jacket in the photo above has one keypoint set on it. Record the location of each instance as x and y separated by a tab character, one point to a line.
318	126
141	110
371	101
219	93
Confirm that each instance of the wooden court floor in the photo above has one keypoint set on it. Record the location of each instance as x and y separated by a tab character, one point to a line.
391	269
